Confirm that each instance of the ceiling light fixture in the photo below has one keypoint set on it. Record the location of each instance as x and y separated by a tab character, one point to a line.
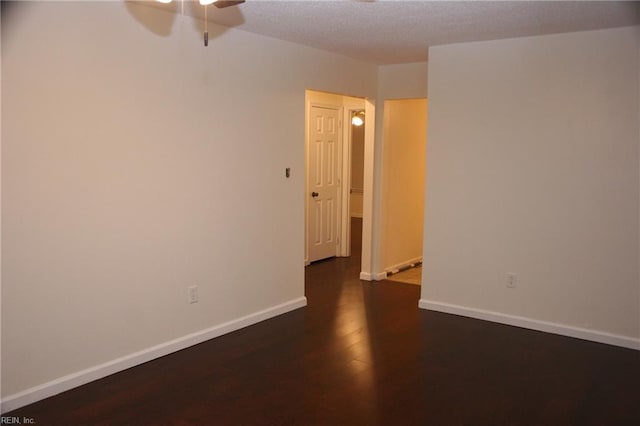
357	119
220	4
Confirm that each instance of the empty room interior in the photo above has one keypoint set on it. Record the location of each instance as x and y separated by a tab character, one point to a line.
166	171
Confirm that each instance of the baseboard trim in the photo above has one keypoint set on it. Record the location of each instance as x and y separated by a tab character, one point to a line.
380	276
403	265
373	276
71	381
548	327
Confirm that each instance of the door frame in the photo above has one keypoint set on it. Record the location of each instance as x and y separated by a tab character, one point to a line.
369	254
369	246
350	106
346	104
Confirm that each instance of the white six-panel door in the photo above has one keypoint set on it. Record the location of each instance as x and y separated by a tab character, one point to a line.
323	189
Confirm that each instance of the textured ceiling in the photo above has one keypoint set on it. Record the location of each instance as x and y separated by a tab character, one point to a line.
396	31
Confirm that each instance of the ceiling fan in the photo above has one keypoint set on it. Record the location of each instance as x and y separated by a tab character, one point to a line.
220	4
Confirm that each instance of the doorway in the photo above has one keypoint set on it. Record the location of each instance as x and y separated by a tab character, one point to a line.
356	191
403	183
328	174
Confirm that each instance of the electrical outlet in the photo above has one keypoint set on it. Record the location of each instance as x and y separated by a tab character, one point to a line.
512	280
192	294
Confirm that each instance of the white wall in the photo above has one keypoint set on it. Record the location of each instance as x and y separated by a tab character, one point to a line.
0	200
405	143
137	163
533	169
401	81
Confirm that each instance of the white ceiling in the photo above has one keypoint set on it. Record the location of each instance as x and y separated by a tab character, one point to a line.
397	31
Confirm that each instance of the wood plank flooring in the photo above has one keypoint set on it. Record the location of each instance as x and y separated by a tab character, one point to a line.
364	354
409	276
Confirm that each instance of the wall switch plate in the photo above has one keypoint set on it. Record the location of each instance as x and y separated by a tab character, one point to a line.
512	280
192	294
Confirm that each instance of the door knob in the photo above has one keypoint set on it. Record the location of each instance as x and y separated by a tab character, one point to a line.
314	194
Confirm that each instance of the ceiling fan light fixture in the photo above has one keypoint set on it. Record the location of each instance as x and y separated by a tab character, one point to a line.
205	3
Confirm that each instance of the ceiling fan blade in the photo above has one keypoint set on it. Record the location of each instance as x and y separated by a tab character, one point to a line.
220	4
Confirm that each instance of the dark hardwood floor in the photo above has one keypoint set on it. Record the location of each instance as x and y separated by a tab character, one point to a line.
364	354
